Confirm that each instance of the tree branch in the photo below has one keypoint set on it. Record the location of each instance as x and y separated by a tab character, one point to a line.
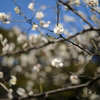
69	88
75	12
48	43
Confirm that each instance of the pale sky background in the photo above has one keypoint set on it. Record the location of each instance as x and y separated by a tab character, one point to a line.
50	14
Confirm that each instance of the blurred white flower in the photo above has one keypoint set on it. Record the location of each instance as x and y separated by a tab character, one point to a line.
94	97
31	6
16	30
10	95
21	38
57	62
59	29
18	68
74	79
39	15
11	47
4	42
4	18
13	80
30	85
30	93
86	92
11	61
1	37
45	24
34	38
21	92
36	68
1	75
17	10
92	3
5	48
25	45
24	59
77	2
34	26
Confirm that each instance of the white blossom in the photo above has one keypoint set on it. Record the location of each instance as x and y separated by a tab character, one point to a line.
74	79
39	15
1	75
11	61
5	48
94	97
4	18
21	92
10	95
92	3
36	68
4	42
25	45
57	62
1	37
11	47
77	2
59	29
21	38
34	26
13	80
45	24
30	93
34	38
17	10
31	6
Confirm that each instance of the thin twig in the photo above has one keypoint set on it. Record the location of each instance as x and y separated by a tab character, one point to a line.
48	43
4	87
58	13
59	90
75	12
85	50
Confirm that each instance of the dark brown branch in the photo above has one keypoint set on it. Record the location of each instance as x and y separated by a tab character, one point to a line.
75	12
85	50
69	88
48	43
58	13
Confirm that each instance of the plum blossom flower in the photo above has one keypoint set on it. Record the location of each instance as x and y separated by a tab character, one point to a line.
21	92
92	3
17	10
31	6
59	29
39	15
4	18
5	48
77	2
57	62
21	38
74	79
13	80
45	24
34	26
1	74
